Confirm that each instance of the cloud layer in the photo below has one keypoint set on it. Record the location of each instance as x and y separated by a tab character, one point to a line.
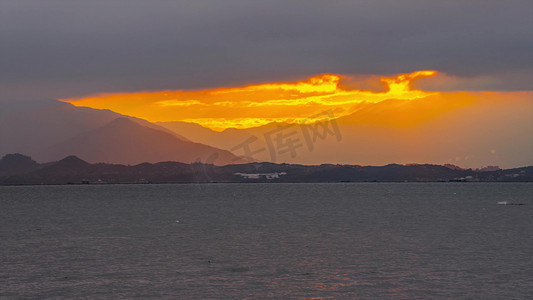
259	104
61	49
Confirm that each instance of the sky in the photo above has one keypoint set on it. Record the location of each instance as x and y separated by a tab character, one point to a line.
452	74
260	104
75	49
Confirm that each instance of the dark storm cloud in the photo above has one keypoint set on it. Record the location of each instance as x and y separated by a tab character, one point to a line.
72	48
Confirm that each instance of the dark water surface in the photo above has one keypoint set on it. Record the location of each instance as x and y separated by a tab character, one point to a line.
279	241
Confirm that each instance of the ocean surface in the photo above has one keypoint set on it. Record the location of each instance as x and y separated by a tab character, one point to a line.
273	241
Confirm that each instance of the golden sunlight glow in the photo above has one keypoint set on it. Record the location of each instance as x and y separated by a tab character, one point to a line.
255	105
220	124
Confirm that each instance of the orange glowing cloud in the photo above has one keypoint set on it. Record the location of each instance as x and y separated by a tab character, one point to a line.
255	105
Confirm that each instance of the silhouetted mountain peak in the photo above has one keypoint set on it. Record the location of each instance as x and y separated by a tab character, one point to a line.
68	165
73	161
122	121
17	163
15	157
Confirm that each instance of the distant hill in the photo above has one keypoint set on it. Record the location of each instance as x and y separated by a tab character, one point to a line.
12	164
124	141
74	170
68	165
41	124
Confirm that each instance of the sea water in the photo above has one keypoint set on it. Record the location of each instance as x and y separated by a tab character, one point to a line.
278	241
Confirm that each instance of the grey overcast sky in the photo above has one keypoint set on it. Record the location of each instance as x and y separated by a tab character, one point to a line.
59	49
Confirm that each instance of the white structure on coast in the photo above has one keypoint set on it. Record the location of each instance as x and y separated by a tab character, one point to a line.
261	175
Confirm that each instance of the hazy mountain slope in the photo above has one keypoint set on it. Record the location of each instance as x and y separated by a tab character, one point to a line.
470	130
37	125
226	139
197	133
191	131
126	142
473	132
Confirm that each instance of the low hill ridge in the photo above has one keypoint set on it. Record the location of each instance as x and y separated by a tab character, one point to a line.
74	170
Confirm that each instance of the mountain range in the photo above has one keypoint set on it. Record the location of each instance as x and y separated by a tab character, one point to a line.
470	132
59	129
17	169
